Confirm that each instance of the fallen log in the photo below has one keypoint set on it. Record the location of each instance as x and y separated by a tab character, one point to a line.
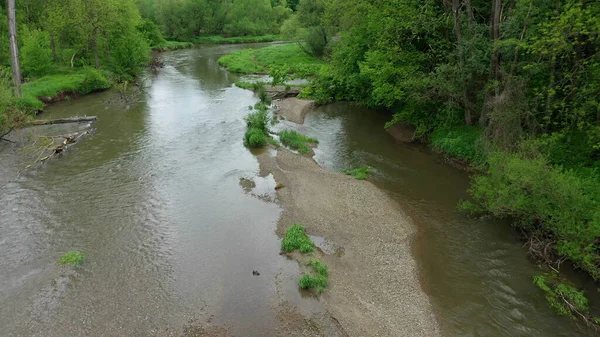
84	119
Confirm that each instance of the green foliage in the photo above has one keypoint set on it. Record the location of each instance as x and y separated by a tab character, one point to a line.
74	258
261	60
151	33
545	199
460	142
296	238
83	81
257	134
563	297
297	141
245	85
130	54
172	45
317	282
36	55
216	39
319	267
359	173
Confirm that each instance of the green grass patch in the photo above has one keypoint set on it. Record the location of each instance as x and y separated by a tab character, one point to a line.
319	267
296	238
297	141
74	258
172	45
460	142
317	282
359	173
252	61
245	85
216	39
274	142
83	81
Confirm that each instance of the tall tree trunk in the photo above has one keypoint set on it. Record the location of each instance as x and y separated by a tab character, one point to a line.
14	47
456	16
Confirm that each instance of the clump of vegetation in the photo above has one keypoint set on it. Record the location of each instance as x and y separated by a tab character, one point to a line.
564	298
297	141
74	258
245	85
359	173
217	39
257	134
548	202
319	281
296	238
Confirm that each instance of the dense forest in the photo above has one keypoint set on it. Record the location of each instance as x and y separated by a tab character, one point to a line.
508	86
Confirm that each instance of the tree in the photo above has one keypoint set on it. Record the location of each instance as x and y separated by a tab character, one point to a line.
14	47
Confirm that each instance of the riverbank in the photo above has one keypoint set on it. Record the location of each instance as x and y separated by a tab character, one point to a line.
374	284
49	89
217	39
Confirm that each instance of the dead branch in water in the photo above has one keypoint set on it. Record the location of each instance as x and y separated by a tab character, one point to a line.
62	121
47	144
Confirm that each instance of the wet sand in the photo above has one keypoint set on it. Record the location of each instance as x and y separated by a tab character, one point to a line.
373	288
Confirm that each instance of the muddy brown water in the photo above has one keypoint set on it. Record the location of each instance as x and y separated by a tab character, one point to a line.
159	200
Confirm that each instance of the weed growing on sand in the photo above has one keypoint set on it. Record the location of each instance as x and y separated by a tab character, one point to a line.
359	173
308	281
296	238
74	258
297	141
319	267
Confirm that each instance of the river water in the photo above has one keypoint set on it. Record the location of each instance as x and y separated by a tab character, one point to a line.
155	198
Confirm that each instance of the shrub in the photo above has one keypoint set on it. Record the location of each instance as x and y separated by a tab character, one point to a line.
296	141
543	199
296	238
94	80
317	282
36	55
563	297
130	54
255	138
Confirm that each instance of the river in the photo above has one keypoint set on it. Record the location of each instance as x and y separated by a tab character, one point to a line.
155	198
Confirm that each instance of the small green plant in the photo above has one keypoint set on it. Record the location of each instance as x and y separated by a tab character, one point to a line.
296	238
308	281
319	267
297	141
359	173
274	142
74	258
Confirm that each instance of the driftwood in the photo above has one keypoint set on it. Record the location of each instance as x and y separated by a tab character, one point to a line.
54	149
6	133
62	120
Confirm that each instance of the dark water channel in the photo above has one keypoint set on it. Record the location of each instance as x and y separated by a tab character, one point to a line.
154	198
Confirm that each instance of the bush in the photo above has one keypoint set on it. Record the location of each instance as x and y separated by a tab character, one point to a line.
36	54
130	54
94	80
546	200
557	292
297	141
255	138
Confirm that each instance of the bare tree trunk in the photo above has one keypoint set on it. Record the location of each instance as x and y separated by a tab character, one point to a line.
456	16
496	15
14	47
